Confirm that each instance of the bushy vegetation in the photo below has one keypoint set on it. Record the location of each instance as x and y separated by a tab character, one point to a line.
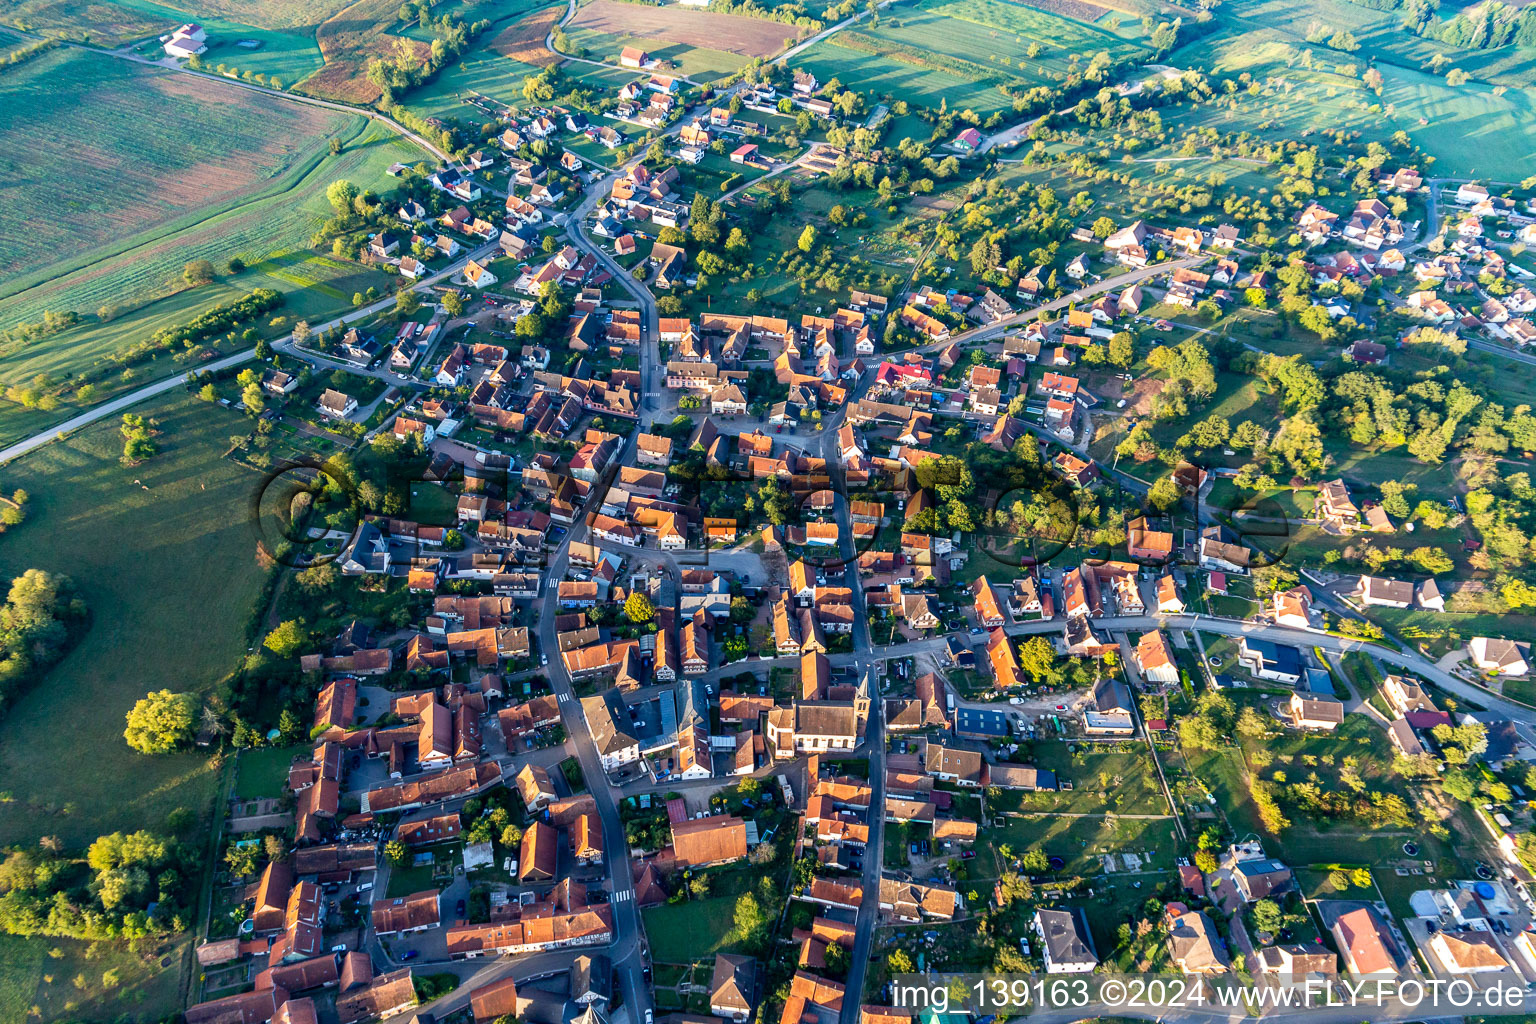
39	619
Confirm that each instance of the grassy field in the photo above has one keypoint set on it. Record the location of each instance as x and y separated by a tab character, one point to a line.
101	21
1300	755
1102	780
238	43
1469	129
883	78
998	34
482	70
61	979
680	932
264	772
1081	842
696	62
142	150
163	555
1382	34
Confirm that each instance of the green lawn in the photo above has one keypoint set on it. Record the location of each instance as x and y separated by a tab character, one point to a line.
288	55
681	932
163	554
264	772
1081	841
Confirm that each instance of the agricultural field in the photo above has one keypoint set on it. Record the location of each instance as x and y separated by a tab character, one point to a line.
163	554
698	44
996	36
523	40
1471	129
1382	35
104	22
494	69
881	78
218	150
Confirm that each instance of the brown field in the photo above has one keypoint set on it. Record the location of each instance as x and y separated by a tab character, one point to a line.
347	40
730	33
524	40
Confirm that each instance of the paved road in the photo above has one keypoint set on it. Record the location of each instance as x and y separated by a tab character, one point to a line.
628	952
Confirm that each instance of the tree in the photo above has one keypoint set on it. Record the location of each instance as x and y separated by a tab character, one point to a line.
1037	656
240	859
1165	493
1266	916
395	852
286	639
453	302
899	962
160	722
198	272
341	194
1206	861
638	607
407	303
1458	785
137	446
318	577
1122	349
749	919
807	240
1035	862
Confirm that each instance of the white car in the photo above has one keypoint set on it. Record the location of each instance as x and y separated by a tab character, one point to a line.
543	659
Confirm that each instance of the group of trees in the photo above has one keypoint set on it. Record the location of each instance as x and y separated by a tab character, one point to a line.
408	68
40	616
104	895
138	434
